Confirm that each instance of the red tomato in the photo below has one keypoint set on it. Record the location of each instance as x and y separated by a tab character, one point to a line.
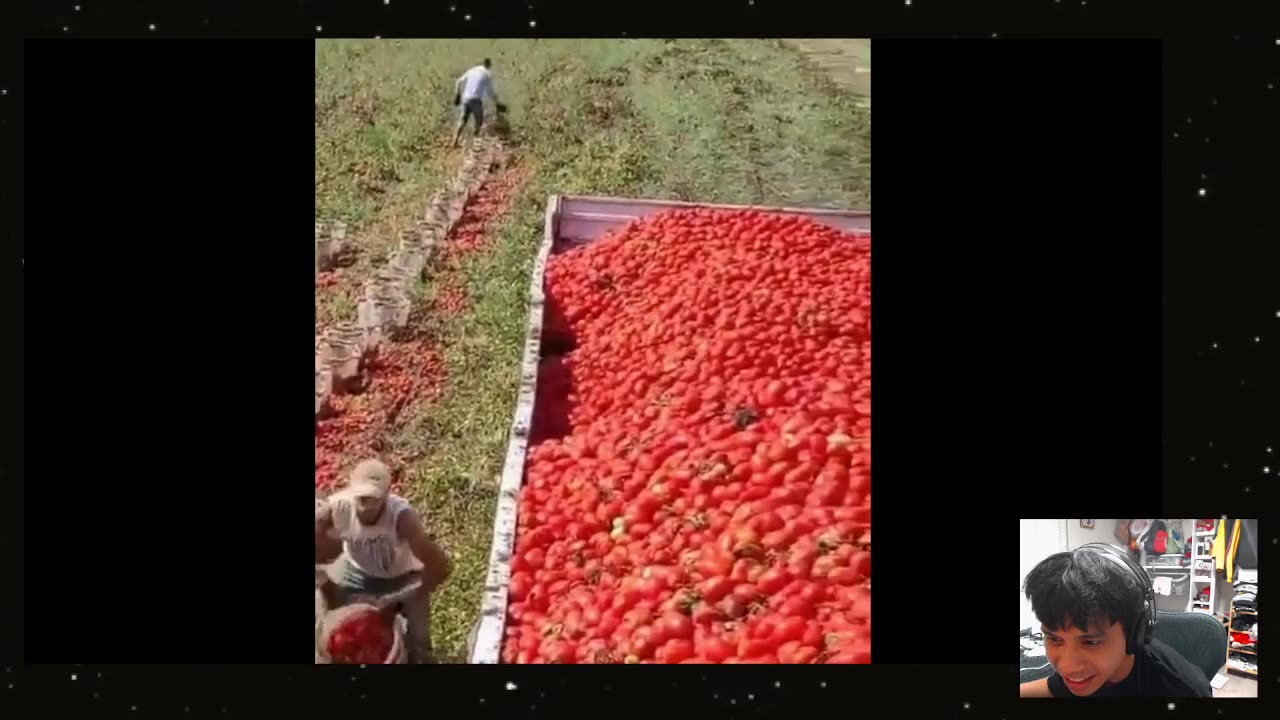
778	539
796	606
734	607
844	576
786	652
806	655
715	588
748	648
706	613
520	586
823	566
791	628
715	649
746	592
773	580
742	569
715	563
677	625
676	651
642	644
861	562
801	562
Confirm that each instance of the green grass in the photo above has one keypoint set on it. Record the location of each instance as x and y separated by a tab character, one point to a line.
720	121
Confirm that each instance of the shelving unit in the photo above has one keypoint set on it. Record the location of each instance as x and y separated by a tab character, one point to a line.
1202	551
1183	575
1230	650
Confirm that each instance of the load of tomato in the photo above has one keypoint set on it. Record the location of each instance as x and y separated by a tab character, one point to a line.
363	637
697	487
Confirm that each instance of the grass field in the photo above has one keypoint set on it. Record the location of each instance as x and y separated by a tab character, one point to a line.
847	61
749	121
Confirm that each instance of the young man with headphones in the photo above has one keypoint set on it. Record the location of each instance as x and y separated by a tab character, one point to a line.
1097	610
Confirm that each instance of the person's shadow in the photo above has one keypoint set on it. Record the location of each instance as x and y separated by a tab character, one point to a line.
501	127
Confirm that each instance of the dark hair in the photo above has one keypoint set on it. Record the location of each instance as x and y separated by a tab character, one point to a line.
487	62
1079	586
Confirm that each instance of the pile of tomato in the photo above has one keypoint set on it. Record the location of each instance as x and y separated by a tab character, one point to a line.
365	637
697	489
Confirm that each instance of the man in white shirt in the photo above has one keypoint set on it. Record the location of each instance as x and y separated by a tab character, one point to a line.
469	91
383	549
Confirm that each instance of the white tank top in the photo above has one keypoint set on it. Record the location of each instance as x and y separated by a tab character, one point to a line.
377	550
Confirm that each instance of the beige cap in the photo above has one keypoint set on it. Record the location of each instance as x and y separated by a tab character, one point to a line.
370	478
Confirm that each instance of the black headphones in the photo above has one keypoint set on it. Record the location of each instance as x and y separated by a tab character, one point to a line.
1144	626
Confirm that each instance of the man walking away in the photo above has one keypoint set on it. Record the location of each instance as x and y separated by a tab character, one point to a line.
469	92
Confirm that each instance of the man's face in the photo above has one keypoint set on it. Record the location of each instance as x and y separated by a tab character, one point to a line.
369	508
1088	659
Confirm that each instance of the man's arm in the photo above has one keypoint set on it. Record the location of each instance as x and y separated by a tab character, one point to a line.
327	547
1035	688
435	564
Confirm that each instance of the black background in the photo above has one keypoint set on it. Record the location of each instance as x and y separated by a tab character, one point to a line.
1018	193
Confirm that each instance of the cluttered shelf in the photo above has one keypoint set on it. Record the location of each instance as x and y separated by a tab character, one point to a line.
1241	669
1242	627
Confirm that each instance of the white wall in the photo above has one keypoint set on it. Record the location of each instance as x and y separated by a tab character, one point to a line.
1037	539
1103	531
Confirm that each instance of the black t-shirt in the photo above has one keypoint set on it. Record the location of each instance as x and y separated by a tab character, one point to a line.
1158	671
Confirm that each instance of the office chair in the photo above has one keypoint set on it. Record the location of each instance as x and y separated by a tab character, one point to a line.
1198	637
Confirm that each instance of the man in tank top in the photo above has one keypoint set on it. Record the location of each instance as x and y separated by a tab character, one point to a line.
384	548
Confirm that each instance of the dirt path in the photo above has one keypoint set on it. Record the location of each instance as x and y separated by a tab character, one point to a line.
848	62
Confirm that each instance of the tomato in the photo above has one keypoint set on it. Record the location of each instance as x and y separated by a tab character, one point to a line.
806	655
861	563
800	563
813	592
643	645
768	522
707	613
521	584
778	539
715	588
773	580
626	599
715	563
742	569
651	587
862	605
823	566
746	592
677	625
787	651
749	648
676	651
558	651
844	576
734	607
715	649
791	628
796	606
849	657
